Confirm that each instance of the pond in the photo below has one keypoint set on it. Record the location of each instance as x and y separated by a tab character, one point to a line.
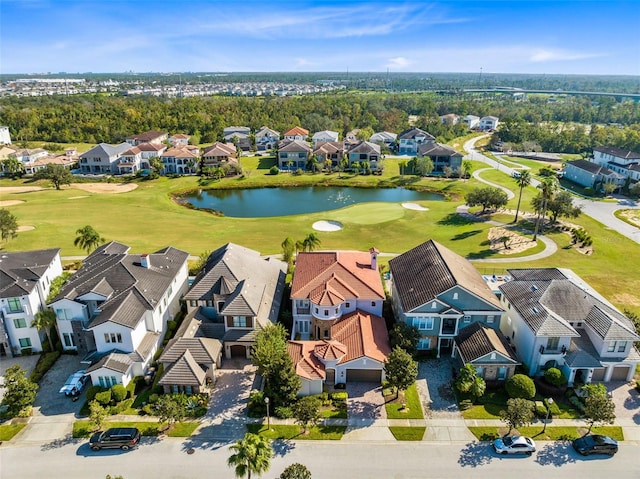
264	202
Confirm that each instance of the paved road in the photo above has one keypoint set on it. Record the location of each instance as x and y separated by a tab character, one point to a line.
601	211
167	458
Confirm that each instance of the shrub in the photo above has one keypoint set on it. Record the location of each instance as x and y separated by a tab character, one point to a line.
104	397
256	405
520	386
589	191
274	170
577	402
44	364
148	409
92	391
339	397
465	404
555	377
284	412
118	393
153	398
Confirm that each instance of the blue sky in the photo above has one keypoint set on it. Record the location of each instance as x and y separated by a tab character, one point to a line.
550	37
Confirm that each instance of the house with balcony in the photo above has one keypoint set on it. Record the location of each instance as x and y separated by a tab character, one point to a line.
114	310
488	123
324	136
338	332
219	154
442	156
102	159
591	175
440	293
25	283
148	151
329	150
623	162
409	141
293	155
129	162
180	160
266	139
238	292
365	151
296	133
555	319
148	137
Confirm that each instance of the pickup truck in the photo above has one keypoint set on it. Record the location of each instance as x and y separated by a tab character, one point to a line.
74	384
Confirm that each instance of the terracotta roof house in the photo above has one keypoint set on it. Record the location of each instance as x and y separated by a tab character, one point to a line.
555	319
63	160
337	300
293	155
296	133
102	158
441	156
440	292
25	282
409	140
330	150
180	160
591	175
487	350
241	292
129	162
219	153
179	139
117	305
151	136
365	151
150	150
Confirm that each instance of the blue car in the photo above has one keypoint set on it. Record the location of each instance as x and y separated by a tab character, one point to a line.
74	383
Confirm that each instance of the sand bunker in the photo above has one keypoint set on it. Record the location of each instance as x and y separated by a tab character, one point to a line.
19	189
104	187
10	203
515	242
25	228
327	226
77	197
414	206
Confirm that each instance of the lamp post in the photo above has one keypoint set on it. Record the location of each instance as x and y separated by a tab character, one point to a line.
266	401
549	403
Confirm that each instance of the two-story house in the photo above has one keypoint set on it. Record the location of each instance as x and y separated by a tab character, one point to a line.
624	162
441	156
591	175
338	332
330	150
266	138
449	119
151	136
471	121
114	310
130	161
296	133
555	319
293	155
240	291
324	136
179	139
102	158
148	151
238	135
409	141
180	160
365	151
440	293
219	153
488	123
25	282
384	138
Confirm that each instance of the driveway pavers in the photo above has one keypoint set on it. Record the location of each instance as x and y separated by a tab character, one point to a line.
435	390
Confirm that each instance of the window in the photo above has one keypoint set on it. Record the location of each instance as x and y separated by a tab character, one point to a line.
193	303
493	355
64	314
612	347
326	312
20	323
552	344
25	342
423	323
112	337
622	345
209	303
347	305
373	303
326	333
467	318
480	371
502	373
220	306
316	310
67	338
490	319
424	343
15	305
239	321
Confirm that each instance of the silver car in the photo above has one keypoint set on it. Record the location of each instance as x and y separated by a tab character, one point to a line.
514	445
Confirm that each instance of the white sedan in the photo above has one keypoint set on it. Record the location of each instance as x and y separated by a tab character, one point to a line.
514	445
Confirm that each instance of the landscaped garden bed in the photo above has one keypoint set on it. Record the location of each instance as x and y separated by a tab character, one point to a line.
404	405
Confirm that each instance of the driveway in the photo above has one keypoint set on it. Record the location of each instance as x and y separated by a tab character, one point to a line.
434	387
627	400
49	402
365	401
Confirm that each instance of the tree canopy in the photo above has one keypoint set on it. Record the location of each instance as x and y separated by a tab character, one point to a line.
57	174
488	197
251	454
400	369
88	238
8	225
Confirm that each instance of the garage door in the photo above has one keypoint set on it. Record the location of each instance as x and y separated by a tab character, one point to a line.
238	351
598	374
620	373
364	375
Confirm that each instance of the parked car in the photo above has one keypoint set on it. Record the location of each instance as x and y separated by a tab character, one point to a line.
117	437
514	445
596	444
75	383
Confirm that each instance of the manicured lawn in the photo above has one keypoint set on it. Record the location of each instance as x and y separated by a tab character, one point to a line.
320	433
334	412
552	433
7	431
413	409
84	429
407	433
488	407
183	429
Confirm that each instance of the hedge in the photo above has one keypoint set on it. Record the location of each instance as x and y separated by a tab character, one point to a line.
45	362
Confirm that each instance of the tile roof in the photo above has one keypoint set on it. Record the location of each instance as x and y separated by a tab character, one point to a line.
326	134
305	363
181	136
429	269
248	284
363	334
267	131
412	133
180	152
134	150
294	146
330	350
185	371
365	147
297	131
116	361
132	289
151	147
220	149
203	350
383	136
330	277
21	271
329	147
436	149
593	168
581	353
478	340
618	152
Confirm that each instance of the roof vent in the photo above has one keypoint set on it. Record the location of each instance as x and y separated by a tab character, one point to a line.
534	288
535	310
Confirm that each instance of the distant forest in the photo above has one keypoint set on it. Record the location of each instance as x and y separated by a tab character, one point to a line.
571	125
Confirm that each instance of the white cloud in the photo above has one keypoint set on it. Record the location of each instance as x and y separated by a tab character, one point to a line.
559	55
399	62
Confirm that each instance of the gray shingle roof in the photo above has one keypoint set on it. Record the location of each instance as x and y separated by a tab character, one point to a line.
296	146
21	271
430	269
115	361
365	147
436	149
185	371
593	168
105	150
618	152
478	340
412	133
581	353
203	350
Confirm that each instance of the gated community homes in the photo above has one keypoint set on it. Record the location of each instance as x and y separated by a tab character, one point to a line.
115	309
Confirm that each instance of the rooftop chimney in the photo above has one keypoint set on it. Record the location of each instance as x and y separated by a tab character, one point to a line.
374	258
145	261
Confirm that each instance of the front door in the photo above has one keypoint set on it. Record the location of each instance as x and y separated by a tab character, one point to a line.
445	345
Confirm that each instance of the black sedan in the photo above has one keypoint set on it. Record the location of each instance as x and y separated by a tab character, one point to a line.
595	444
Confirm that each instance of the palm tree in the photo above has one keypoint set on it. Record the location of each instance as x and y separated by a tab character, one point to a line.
549	186
311	242
88	239
251	454
43	321
522	181
402	164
